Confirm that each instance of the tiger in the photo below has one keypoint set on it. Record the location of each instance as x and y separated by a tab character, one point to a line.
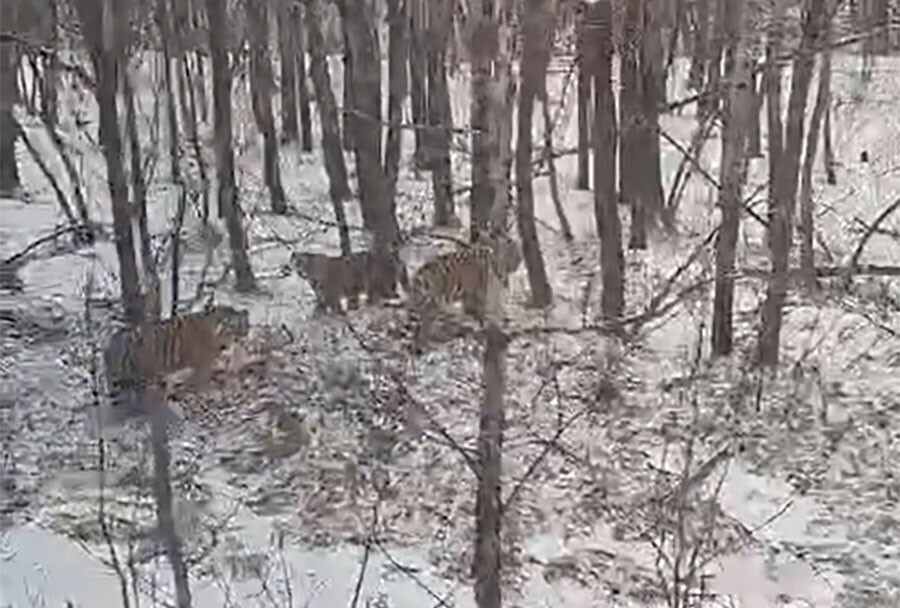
335	278
472	275
138	356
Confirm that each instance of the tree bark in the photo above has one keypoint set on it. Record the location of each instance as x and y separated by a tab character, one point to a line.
418	71
737	106
306	138
227	193
612	260
754	138
653	96
287	50
375	197
10	182
630	177
397	86
339	189
786	179
486	562
50	82
701	44
807	205
349	106
585	59
440	118
100	34
537	32
261	84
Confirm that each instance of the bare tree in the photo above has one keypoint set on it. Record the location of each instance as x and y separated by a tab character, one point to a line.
328	118
488	501
227	193
418	70
440	118
612	261
397	85
261	86
785	186
700	44
653	97
538	32
50	81
306	138
375	196
287	51
10	183
630	139
738	105
584	58
807	206
102	37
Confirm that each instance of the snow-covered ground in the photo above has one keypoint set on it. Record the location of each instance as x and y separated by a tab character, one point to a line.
806	514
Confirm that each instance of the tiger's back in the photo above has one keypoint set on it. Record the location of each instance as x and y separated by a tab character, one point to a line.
137	356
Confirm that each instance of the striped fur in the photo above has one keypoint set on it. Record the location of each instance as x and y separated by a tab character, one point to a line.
136	357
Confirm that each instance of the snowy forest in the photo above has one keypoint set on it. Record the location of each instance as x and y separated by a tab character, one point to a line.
411	303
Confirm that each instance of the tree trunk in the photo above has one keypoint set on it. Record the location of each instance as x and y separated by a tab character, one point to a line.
585	59
440	118
612	261
537	32
653	96
50	82
397	60
261	84
754	138
328	118
488	551
807	206
227	193
714	60
377	204
418	79
828	156
306	138
786	179
287	50
138	187
10	183
631	178
737	106
348	93
100	36
701	44
162	493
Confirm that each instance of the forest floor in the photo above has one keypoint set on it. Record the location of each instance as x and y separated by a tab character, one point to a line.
311	449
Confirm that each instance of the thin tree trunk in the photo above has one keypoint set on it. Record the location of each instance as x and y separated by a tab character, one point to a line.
612	260
585	59
10	182
397	86
828	157
653	96
772	87
195	142
754	138
714	61
100	35
701	44
227	193
287	50
786	185
349	106
807	206
50	82
418	71
537	29
306	138
631	175
75	180
488	551
200	86
328	117
440	119
261	84
737	109
138	187
162	492
548	154
377	204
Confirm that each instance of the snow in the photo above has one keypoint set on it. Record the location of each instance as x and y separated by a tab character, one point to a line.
813	477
